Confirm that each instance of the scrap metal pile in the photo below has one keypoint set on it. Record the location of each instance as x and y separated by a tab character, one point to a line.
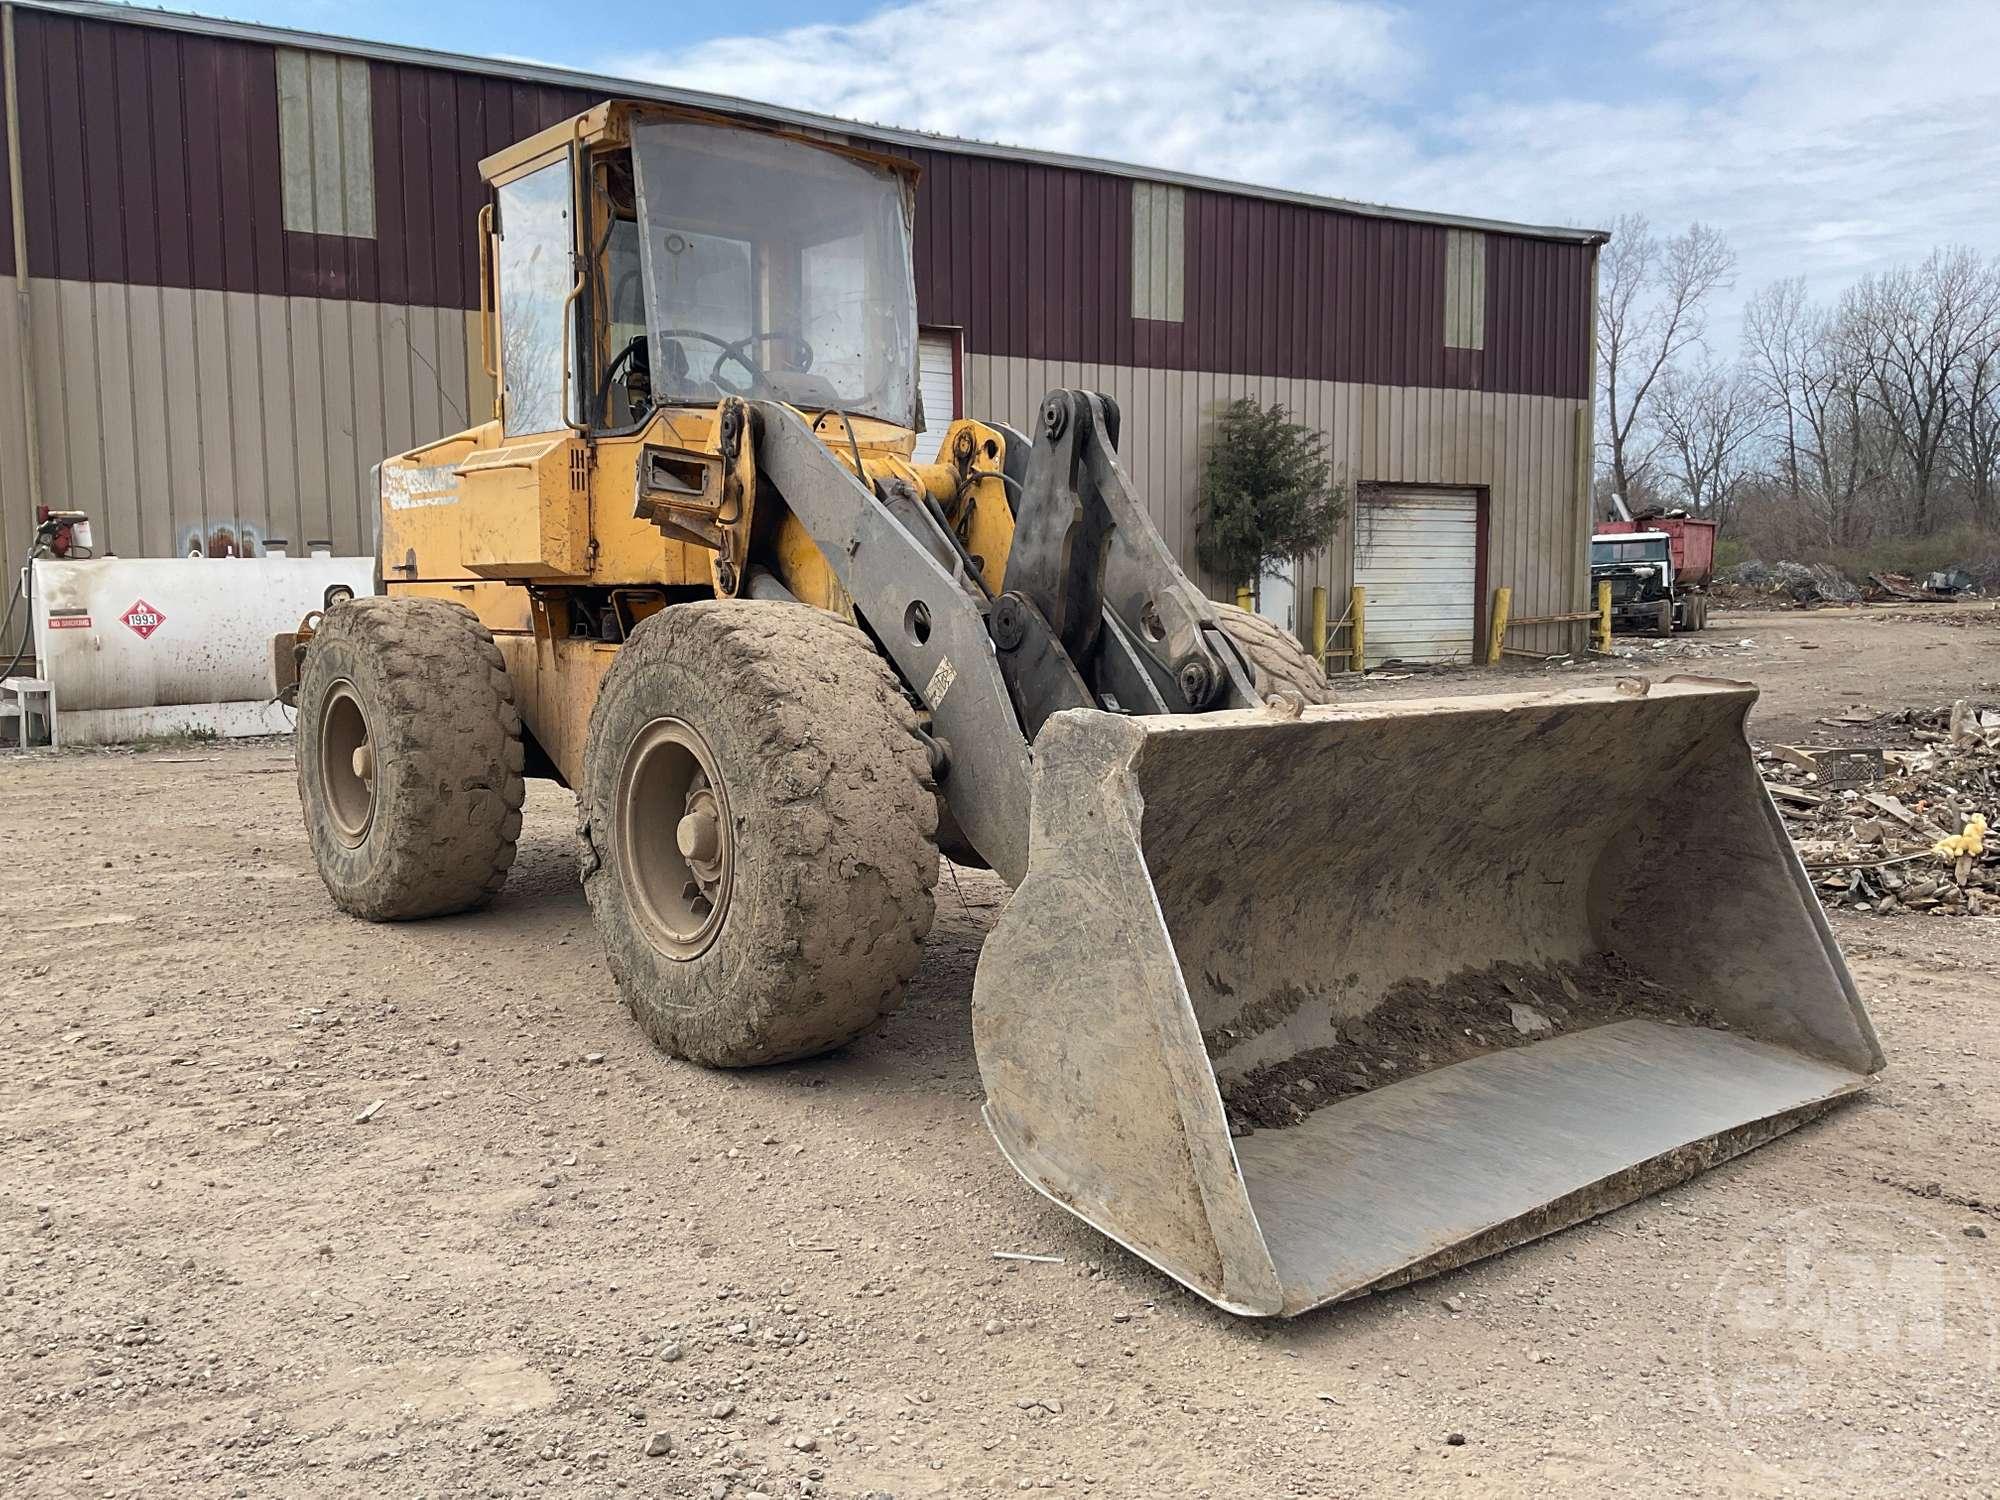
1889	830
1933	588
1646	649
1794	583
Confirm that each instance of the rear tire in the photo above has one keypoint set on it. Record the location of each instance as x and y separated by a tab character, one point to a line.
757	823
1278	663
409	756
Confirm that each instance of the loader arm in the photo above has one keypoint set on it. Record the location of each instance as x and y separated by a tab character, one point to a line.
1088	557
1095	612
929	626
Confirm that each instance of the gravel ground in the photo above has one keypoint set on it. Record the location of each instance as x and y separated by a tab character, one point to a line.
548	1251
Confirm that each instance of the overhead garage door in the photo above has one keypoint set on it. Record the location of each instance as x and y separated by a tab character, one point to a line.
1417	554
937	378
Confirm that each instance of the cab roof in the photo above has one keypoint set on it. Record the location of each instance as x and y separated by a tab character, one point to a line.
610	124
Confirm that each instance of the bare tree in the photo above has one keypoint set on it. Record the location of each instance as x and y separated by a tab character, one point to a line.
1707	419
1918	330
1974	439
1806	368
1650	311
1778	345
1849	461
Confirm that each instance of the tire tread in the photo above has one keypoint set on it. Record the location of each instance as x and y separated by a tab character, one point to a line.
445	712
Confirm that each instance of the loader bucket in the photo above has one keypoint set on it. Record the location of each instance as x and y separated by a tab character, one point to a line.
1300	1007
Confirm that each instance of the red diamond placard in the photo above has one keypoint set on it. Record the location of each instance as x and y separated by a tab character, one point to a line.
142	619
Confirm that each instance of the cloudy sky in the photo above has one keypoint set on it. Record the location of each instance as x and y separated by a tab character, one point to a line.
1821	136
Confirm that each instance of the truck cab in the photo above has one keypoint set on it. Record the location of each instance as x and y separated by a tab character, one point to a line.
1658	568
1639	566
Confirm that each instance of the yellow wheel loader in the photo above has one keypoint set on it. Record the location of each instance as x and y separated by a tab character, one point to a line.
1294	1000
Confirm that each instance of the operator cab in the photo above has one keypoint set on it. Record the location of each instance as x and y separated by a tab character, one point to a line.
701	260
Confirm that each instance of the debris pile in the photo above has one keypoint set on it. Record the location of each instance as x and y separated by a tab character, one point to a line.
1933	588
1785	585
1802	583
1889	830
1648	648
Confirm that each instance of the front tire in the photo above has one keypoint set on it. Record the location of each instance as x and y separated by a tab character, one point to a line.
409	756
757	823
1278	663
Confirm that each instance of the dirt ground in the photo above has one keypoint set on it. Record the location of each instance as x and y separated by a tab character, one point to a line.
549	1244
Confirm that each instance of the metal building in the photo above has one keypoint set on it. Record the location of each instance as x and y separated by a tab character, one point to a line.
245	270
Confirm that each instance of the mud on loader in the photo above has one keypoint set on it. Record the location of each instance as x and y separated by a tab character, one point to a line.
1294	1000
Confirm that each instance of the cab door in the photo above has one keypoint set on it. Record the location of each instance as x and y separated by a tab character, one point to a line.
525	511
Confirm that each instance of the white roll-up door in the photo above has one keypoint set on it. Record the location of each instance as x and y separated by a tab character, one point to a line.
1417	554
935	378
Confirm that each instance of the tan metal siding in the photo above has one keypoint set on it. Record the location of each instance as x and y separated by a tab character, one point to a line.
1159	251
1464	289
179	417
326	143
16	509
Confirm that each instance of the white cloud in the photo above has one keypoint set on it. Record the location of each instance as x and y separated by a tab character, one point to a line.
1827	137
1163	82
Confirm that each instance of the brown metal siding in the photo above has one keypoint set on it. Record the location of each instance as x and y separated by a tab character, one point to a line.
6	199
150	157
1271	288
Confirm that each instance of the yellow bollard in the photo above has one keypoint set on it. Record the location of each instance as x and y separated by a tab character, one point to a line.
1319	625
1357	634
1245	599
1503	601
1604	615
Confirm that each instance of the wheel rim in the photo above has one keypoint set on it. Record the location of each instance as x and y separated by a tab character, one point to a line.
676	848
347	763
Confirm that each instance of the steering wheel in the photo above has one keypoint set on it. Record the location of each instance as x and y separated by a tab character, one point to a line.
738	350
632	358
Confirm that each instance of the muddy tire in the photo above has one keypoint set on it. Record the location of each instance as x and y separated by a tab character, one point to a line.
757	825
409	756
1278	663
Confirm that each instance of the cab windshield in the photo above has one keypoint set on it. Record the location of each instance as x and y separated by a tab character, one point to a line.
771	269
1605	550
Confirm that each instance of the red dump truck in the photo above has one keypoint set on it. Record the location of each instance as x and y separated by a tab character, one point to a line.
1658	568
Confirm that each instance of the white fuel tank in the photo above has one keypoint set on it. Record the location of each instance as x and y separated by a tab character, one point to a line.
161	645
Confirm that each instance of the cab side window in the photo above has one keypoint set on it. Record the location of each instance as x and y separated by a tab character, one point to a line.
536	273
